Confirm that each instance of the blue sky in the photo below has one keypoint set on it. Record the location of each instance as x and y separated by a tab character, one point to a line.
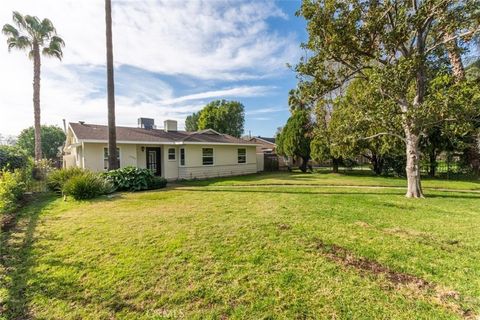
171	58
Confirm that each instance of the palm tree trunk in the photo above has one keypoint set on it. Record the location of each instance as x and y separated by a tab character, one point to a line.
112	135
455	58
36	101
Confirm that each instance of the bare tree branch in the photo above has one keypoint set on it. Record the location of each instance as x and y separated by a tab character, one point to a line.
465	34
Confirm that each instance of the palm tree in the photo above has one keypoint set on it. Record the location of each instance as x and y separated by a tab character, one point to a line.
34	35
112	135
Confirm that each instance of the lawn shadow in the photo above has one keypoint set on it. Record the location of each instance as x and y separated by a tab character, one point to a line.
267	190
16	257
19	249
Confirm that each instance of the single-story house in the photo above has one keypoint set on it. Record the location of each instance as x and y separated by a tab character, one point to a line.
168	152
264	144
268	147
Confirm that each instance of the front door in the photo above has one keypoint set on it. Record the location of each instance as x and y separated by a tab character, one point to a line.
153	160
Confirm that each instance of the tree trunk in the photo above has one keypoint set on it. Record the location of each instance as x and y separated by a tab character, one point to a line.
112	135
377	163
455	58
335	163
414	188
304	166
36	101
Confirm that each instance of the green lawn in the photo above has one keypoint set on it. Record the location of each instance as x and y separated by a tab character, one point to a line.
222	249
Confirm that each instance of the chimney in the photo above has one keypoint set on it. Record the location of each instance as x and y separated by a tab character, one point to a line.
170	125
146	123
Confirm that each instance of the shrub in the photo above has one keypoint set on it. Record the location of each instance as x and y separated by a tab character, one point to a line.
12	188
86	185
41	169
57	178
12	158
130	178
134	179
158	183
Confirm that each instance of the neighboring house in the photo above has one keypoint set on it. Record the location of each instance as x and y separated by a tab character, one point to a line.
264	145
168	153
267	147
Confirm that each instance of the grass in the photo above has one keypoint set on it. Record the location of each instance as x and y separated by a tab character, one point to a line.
216	250
352	178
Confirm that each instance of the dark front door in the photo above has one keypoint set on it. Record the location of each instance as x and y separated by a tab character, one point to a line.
153	160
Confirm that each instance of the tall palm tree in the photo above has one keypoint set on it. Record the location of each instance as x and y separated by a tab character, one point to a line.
37	37
112	135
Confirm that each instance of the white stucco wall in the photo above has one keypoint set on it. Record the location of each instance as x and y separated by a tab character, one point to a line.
93	155
90	156
225	162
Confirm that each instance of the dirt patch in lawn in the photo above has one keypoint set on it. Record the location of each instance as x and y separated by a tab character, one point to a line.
447	298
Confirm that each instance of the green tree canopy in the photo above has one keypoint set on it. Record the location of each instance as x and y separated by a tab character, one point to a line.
391	44
52	138
191	122
295	138
220	115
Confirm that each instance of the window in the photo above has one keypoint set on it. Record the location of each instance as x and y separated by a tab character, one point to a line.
207	156
182	156
105	158
242	155
171	154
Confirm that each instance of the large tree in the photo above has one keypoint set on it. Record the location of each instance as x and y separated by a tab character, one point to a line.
191	122
220	115
295	137
52	138
37	37
395	41
112	130
361	112
322	147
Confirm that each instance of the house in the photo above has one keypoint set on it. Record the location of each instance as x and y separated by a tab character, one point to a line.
264	145
267	147
169	153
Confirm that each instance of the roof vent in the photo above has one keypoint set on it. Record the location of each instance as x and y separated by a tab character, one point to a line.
170	125
146	123
81	122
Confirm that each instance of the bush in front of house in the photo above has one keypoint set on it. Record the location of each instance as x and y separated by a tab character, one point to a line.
57	178
87	185
158	183
134	179
12	188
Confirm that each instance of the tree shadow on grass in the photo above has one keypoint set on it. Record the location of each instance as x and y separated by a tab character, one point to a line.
16	242
19	282
387	192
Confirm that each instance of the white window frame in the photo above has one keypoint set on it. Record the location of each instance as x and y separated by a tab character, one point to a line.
106	159
174	154
238	156
184	157
213	157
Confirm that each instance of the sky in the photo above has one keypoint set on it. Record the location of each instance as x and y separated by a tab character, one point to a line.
171	58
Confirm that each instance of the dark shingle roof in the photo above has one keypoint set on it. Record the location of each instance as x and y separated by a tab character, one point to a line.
84	131
271	140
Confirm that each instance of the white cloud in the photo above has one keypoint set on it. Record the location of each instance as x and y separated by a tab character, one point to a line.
242	91
213	40
265	110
